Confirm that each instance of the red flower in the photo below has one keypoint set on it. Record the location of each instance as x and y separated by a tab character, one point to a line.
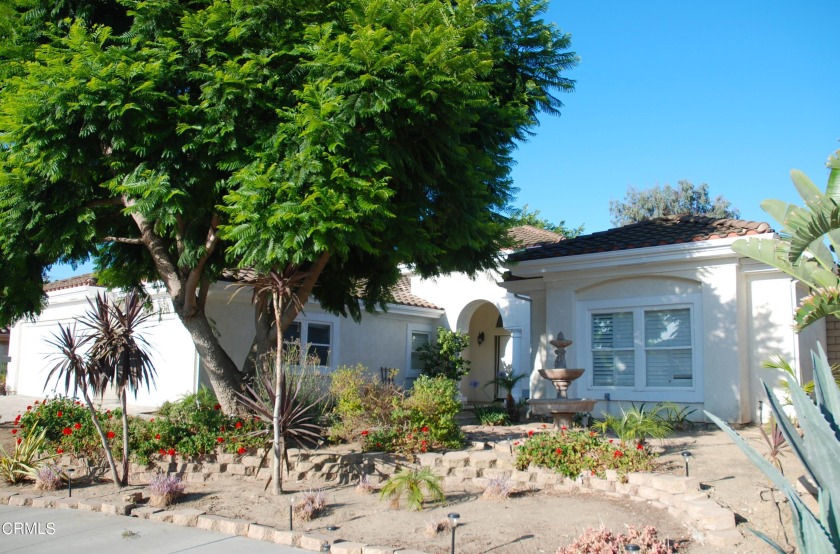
592	473
151	420
241	450
220	440
618	454
639	446
563	428
162	451
171	452
559	450
516	443
18	441
110	416
77	425
424	444
28	408
36	401
425	429
14	431
365	433
611	441
239	425
217	407
59	451
59	413
67	431
378	444
111	434
409	436
222	428
592	433
530	432
157	437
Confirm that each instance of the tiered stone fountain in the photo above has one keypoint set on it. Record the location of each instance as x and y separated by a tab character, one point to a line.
562	409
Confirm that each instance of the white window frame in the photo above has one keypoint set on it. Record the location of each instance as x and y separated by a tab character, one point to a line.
413	373
321	319
639	391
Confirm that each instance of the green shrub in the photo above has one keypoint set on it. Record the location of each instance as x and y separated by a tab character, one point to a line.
411	483
492	415
360	403
442	358
25	460
433	404
575	452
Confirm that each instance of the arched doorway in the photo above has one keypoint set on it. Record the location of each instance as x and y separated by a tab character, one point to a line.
490	350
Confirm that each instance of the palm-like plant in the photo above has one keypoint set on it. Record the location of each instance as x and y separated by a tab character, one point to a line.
508	380
809	243
26	458
117	355
637	424
412	483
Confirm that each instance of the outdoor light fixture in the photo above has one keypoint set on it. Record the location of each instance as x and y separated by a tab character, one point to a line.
632	548
70	482
480	338
291	509
686	455
325	547
453	522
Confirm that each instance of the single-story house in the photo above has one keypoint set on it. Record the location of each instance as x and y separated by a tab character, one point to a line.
664	310
497	321
661	310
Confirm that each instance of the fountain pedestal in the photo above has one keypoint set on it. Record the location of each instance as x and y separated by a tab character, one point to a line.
561	409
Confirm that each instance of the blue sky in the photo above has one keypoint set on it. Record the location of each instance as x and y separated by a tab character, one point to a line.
733	94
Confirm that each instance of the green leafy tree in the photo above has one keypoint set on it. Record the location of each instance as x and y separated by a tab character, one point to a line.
523	216
808	243
686	199
168	140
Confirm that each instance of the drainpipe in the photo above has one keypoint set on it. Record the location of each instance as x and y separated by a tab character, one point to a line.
524	297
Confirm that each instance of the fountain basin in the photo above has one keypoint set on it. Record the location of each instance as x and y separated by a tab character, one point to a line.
561	378
561	410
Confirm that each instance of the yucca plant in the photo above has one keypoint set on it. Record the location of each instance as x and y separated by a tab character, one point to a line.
818	448
412	483
25	460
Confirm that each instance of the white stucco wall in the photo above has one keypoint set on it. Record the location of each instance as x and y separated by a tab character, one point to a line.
742	314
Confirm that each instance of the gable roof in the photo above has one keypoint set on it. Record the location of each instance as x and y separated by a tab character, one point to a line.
674	229
524	236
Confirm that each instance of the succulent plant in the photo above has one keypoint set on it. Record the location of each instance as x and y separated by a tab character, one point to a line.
818	448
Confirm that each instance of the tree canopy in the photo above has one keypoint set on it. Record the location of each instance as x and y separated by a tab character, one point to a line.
686	199
168	140
524	216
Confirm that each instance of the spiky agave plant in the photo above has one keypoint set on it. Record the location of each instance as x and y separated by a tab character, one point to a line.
818	448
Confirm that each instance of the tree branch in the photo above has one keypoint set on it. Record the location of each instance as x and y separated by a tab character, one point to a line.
196	273
303	292
125	240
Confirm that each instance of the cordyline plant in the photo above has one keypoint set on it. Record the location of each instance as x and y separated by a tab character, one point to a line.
277	400
109	352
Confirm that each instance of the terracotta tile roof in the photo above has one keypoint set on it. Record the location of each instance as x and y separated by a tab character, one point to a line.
652	232
79	281
527	235
401	292
403	295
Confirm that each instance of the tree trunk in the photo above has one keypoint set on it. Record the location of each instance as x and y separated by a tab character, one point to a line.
279	389
125	461
224	376
108	454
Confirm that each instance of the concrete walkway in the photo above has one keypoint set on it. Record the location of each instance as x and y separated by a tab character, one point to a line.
67	531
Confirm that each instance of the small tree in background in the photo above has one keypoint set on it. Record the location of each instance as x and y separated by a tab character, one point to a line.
686	199
443	357
523	216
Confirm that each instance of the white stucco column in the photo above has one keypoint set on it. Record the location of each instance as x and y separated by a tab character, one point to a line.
539	342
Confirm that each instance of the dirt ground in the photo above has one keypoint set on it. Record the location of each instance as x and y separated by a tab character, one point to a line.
529	522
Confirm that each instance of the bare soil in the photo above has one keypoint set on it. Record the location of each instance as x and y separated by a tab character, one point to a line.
528	522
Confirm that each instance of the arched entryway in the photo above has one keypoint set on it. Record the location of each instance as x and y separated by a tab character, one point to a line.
491	350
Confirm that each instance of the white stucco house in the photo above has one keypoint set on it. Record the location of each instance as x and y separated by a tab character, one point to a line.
662	310
497	321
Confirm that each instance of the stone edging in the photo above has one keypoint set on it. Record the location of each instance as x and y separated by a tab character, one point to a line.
201	520
682	497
